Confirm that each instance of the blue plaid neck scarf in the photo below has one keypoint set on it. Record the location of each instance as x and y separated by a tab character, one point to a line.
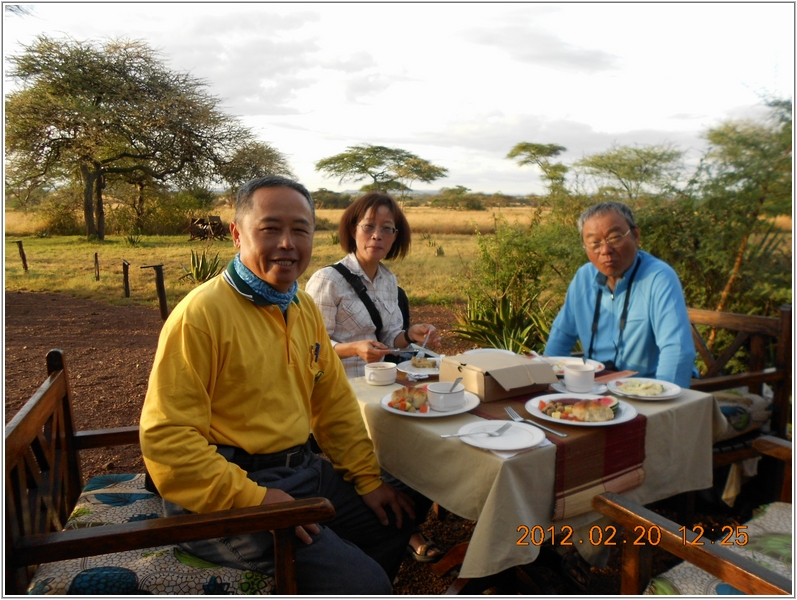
262	288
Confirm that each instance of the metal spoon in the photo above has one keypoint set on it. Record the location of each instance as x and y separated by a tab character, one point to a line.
455	384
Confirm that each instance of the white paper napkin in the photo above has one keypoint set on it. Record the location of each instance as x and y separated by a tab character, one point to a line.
510	453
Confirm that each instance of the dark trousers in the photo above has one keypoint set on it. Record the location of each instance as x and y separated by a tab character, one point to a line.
353	555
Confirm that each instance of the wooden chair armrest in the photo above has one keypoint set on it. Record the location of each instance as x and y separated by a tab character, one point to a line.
774	446
736	570
93	541
106	438
723	382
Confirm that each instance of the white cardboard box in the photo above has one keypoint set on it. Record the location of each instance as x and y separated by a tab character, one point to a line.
494	376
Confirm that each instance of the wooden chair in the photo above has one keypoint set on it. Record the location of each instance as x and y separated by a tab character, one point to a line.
641	526
217	228
44	482
198	229
758	335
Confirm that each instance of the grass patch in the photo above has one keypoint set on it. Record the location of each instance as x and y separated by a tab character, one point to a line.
65	264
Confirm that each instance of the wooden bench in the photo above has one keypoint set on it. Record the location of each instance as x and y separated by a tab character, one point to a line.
733	568
768	344
44	483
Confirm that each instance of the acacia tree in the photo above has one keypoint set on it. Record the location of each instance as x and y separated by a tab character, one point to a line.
253	159
636	169
553	173
113	111
388	168
747	175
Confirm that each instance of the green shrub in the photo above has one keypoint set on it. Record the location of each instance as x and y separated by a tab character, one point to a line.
62	218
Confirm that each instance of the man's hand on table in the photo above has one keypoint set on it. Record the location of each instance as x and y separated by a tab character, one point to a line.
274	495
386	495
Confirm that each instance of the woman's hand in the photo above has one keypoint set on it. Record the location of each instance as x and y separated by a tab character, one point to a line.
369	350
418	333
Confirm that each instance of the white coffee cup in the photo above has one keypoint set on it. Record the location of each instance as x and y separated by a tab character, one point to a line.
380	373
579	378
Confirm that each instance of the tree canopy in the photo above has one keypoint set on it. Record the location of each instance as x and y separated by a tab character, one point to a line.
114	110
388	168
553	173
635	168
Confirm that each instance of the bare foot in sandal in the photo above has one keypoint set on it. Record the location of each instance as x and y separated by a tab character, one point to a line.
423	549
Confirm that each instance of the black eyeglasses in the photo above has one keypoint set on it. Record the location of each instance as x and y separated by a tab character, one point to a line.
370	228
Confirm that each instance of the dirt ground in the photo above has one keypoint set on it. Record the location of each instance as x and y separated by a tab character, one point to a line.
109	352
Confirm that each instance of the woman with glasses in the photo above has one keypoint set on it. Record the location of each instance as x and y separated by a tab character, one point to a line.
372	229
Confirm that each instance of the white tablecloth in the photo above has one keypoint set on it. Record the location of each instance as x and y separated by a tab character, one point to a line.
505	494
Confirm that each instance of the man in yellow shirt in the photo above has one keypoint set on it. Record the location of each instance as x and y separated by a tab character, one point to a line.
244	372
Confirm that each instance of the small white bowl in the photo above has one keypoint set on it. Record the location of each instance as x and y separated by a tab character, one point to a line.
443	400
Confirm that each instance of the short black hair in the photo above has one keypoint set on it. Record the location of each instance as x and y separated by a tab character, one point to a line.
243	202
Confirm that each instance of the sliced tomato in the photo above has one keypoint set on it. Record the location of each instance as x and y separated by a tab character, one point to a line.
543	405
424	408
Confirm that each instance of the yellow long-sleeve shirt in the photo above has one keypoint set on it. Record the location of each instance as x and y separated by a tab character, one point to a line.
231	371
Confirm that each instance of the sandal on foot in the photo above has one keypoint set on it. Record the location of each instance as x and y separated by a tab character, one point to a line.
422	553
576	569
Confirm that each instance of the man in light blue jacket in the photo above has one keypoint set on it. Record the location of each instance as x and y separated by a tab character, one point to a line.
626	306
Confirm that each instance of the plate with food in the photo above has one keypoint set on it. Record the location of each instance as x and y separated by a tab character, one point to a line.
420	366
641	388
518	437
558	363
412	402
585	410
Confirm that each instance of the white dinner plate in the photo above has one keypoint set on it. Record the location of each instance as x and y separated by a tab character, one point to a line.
493	350
599	388
518	437
625	412
560	361
471	402
670	389
406	367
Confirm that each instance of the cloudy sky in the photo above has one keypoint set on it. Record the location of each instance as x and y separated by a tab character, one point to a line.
458	84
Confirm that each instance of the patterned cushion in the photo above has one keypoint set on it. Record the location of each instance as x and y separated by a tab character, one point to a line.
743	411
769	544
162	570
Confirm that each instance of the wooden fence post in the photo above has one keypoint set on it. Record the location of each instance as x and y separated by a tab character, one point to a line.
96	266
125	275
22	256
161	287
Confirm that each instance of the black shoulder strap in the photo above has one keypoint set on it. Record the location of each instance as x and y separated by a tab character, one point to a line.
404	307
359	287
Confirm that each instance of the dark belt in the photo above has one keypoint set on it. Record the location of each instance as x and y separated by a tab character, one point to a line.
291	457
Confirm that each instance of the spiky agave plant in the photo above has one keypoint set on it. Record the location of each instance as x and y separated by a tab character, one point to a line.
202	267
504	324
